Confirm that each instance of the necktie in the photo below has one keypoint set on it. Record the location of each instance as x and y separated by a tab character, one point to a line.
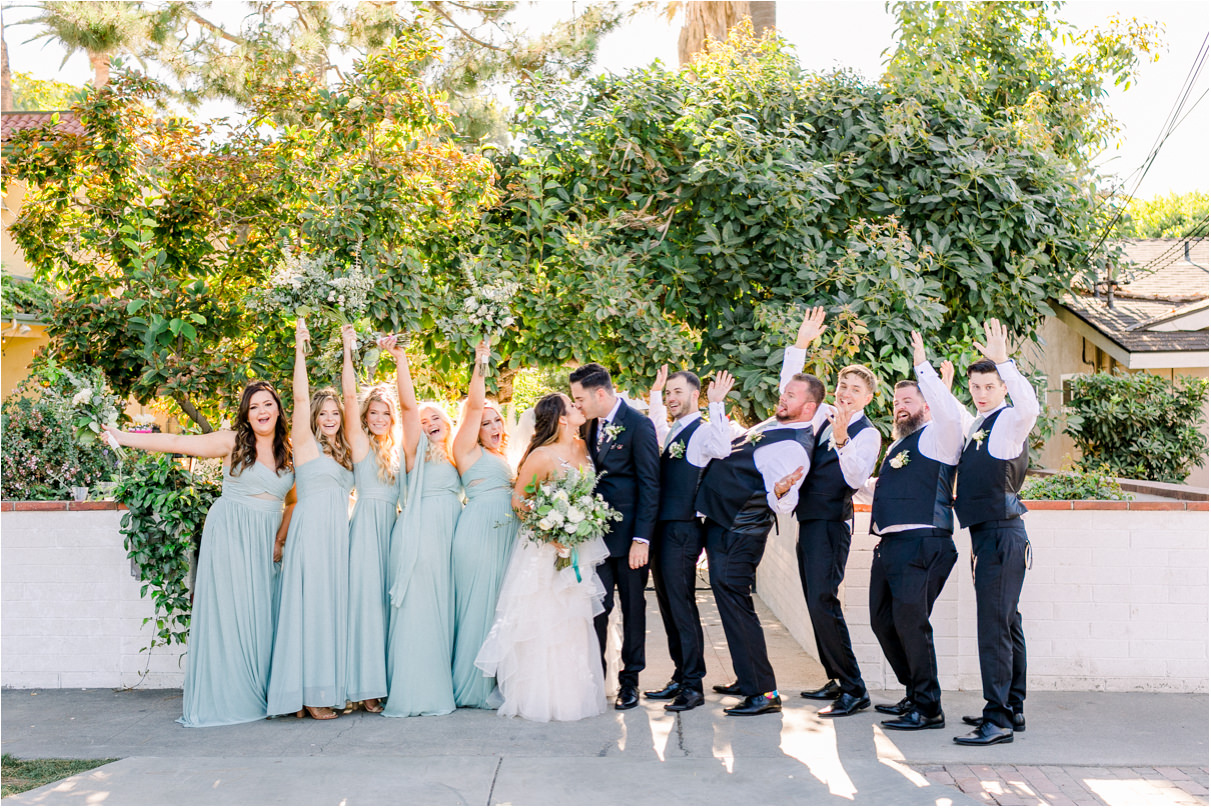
601	432
975	427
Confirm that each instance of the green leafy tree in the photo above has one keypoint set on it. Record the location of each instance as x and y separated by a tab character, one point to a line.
34	94
1171	215
160	230
1139	426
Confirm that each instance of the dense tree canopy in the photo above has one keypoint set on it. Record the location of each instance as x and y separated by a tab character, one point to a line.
1171	215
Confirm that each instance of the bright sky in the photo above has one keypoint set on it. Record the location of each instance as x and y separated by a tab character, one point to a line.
855	33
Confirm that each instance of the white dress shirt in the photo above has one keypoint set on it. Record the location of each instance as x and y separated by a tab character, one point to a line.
859	456
714	439
1013	426
941	436
774	461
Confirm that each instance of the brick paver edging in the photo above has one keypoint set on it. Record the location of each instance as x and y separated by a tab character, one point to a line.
1074	785
61	505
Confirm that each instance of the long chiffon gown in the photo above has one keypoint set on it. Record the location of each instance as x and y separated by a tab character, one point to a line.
483	541
369	541
543	648
310	645
420	633
231	631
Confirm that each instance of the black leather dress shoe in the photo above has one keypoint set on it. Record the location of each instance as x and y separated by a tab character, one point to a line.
1019	721
687	699
728	690
669	691
901	707
829	692
756	705
845	704
914	720
628	697
986	734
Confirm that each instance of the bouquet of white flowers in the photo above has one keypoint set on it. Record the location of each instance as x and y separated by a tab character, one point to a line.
486	311
566	511
366	355
311	284
93	405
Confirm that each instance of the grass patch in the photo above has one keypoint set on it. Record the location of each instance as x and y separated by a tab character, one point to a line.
21	775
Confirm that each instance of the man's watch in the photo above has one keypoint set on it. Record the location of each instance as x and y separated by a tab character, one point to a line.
842	444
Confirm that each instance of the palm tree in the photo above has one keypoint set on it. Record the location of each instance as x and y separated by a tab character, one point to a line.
102	30
714	18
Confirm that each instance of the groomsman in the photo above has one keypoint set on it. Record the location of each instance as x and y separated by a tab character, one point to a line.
842	460
686	448
991	471
913	516
739	495
622	444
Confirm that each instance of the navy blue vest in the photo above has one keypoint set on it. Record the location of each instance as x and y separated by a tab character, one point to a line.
919	492
679	479
825	494
732	493
988	486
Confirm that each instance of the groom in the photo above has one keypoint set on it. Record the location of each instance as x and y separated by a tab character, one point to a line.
623	446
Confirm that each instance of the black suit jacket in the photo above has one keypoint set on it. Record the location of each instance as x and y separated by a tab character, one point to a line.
630	482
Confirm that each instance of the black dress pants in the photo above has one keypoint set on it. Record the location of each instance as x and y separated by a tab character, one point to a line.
823	550
733	559
674	573
1000	550
616	571
907	574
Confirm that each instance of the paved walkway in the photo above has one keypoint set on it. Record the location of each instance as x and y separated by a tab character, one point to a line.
1080	749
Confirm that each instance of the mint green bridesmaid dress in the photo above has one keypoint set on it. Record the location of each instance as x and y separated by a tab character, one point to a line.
231	631
483	541
369	540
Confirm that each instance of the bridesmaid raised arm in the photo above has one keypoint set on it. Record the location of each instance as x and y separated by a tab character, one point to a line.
376	465
231	628
314	599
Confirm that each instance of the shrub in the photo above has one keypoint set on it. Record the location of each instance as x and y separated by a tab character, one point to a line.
1139	425
1099	484
41	458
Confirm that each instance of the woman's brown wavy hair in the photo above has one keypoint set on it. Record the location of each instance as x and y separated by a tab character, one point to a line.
243	454
547	412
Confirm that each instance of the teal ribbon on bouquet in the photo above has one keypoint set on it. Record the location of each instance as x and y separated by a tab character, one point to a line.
576	564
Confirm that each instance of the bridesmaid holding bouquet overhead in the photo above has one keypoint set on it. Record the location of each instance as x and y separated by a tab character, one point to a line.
231	628
375	472
420	629
310	644
486	532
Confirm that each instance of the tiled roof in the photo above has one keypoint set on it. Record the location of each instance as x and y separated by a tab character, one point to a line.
14	122
1161	281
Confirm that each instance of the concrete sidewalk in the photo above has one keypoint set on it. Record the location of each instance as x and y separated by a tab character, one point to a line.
1080	748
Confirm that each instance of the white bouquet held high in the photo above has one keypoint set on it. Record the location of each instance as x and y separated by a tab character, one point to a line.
486	311
565	511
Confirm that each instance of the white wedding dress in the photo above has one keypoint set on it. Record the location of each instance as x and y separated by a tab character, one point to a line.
542	648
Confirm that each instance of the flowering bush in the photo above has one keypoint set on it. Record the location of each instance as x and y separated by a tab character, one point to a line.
42	457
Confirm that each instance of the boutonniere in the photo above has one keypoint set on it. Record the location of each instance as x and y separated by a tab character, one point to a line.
900	460
676	450
754	437
614	430
979	438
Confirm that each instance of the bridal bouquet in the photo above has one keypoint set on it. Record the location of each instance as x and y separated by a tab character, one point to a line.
566	511
93	406
314	284
486	311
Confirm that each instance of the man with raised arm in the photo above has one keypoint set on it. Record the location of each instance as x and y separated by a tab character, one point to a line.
913	516
686	446
845	453
991	471
740	493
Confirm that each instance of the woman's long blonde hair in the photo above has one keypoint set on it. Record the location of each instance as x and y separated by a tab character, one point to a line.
504	432
445	449
336	446
385	447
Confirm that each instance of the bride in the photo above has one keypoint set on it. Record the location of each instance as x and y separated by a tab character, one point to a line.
542	648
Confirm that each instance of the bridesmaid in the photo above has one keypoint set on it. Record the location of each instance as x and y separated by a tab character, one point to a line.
485	535
421	623
309	647
375	467
231	630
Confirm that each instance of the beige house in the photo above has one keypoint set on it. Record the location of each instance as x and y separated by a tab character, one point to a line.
1151	319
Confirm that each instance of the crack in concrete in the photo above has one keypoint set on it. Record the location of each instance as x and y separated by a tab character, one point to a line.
681	737
492	788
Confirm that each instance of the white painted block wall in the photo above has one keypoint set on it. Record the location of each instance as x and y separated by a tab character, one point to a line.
70	610
1116	600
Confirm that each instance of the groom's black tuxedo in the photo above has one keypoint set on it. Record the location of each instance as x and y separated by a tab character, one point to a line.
631	479
630	482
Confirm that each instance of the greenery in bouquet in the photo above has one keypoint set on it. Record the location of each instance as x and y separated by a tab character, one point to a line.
317	285
366	354
42	458
93	405
485	312
566	511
